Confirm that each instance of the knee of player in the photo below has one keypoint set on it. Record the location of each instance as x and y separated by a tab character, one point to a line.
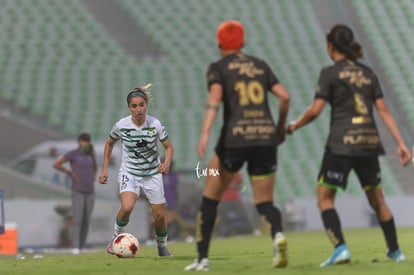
158	214
324	204
126	209
376	202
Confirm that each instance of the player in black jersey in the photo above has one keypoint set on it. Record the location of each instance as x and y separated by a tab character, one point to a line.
249	134
352	89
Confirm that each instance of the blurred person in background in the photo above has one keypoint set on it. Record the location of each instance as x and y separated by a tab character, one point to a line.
353	90
233	190
141	167
232	212
241	82
295	215
83	171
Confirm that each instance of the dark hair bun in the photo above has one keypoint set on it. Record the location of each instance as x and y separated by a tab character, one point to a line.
357	49
342	38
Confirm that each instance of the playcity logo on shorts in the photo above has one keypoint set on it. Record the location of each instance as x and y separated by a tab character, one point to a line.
335	175
204	172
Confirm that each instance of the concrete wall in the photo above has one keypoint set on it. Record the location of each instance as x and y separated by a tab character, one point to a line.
18	136
30	204
38	224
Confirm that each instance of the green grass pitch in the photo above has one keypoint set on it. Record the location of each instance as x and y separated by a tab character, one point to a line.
236	255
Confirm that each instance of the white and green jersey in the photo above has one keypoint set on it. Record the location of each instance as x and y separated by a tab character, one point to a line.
140	156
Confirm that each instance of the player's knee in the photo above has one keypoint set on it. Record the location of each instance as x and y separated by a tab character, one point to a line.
267	209
126	209
325	202
324	205
158	215
376	201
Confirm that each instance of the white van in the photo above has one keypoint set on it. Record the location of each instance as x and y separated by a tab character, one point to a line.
38	162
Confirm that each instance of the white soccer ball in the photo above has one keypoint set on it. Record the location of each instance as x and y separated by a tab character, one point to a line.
125	245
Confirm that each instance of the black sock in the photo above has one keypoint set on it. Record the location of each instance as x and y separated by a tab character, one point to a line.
272	216
333	226
205	223
390	234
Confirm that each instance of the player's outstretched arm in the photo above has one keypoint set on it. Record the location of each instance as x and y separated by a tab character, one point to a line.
308	116
109	145
213	104
164	167
388	118
283	106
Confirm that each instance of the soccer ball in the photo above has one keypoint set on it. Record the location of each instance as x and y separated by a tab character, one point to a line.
125	245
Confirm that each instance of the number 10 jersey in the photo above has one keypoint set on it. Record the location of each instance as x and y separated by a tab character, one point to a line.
247	118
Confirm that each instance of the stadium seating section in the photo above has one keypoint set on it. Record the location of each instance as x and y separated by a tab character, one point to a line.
59	63
385	23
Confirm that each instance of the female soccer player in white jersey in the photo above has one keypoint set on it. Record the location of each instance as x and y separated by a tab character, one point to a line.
141	168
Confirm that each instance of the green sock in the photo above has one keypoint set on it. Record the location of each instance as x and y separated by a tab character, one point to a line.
121	223
161	234
119	226
161	238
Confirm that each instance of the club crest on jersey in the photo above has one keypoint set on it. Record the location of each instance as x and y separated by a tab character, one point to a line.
151	131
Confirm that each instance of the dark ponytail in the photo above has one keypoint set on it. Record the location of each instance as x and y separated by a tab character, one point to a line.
342	38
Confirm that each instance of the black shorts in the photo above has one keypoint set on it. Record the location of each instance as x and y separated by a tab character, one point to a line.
335	170
261	160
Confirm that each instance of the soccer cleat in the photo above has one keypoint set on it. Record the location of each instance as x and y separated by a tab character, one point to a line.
341	255
280	258
397	256
197	265
109	246
109	249
191	266
163	251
